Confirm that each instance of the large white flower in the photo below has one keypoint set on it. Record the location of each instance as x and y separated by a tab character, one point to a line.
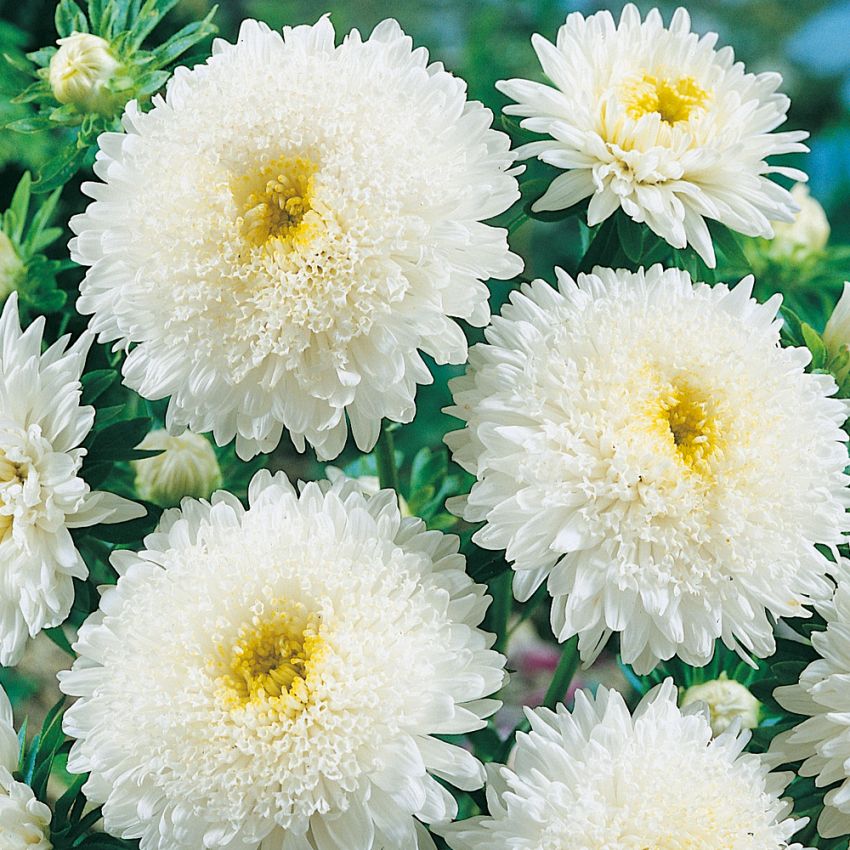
287	230
41	493
276	676
657	122
822	741
597	777
645	443
24	821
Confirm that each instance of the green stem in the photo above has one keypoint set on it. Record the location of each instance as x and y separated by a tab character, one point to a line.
385	459
557	690
503	597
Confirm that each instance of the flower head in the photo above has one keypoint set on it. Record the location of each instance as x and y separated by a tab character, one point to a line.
41	492
24	821
284	233
645	444
79	72
655	121
599	777
306	652
186	466
822	740
807	234
727	701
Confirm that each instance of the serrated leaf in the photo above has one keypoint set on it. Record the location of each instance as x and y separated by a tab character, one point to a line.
60	169
150	14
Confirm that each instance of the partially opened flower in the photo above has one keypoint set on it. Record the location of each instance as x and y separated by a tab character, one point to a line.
645	445
24	821
42	495
279	675
598	777
821	740
283	234
655	121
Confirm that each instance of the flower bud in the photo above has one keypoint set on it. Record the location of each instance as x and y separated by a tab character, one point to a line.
807	234
11	266
187	466
726	700
836	334
80	70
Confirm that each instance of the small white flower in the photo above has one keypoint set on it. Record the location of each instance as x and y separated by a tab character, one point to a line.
41	493
186	466
657	122
281	236
727	701
278	675
644	444
598	777
24	821
807	234
80	71
822	741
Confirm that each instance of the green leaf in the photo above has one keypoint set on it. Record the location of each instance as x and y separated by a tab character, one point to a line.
728	243
115	441
69	18
58	637
816	345
631	238
96	383
183	39
32	124
20	205
792	326
44	214
150	14
60	169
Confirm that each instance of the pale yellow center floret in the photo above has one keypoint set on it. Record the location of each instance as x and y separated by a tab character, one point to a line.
674	99
276	204
684	420
270	662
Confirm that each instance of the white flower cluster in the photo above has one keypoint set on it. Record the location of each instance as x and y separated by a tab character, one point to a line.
275	244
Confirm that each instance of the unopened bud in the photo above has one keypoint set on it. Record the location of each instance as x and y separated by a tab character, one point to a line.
80	71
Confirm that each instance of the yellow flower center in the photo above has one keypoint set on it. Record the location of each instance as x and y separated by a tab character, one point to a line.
684	419
673	99
276	204
269	663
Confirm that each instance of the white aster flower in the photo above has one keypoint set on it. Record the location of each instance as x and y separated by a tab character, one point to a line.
822	741
41	493
24	821
287	230
80	70
276	676
645	444
727	701
186	466
598	777
657	122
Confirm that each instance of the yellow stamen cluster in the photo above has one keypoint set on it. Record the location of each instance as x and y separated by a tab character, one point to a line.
276	204
674	100
686	423
270	661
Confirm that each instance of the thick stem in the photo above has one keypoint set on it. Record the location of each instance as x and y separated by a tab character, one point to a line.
503	598
385	459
